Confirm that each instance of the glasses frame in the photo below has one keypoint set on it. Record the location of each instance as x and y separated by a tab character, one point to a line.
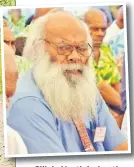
56	47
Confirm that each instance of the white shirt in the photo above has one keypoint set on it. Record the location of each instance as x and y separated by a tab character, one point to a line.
111	32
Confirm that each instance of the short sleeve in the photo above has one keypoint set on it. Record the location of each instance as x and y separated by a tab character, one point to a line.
35	123
116	77
114	136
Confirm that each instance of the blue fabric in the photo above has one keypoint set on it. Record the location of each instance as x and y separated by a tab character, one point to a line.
118	48
117	44
42	132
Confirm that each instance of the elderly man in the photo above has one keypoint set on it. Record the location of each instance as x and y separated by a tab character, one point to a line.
58	98
104	63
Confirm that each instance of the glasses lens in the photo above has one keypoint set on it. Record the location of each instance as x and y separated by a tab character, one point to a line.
82	49
65	49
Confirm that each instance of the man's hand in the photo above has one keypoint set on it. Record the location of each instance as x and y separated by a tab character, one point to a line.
122	147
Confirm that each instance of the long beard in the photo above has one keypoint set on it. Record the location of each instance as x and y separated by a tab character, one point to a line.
69	96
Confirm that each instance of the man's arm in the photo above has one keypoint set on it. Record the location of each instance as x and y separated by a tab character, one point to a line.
31	118
122	147
117	87
110	94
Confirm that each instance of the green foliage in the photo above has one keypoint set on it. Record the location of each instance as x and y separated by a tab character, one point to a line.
7	2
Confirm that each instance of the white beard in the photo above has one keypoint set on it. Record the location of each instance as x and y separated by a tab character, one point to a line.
71	97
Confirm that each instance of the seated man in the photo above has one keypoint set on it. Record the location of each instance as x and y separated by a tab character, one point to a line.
104	63
15	142
58	99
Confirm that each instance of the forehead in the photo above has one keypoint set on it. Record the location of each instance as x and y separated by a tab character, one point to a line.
96	19
98	25
66	27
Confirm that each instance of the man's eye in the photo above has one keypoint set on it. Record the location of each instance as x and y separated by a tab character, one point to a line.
82	48
62	47
68	47
103	29
65	47
94	29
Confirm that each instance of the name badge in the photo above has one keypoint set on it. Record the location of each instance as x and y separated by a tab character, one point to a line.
100	133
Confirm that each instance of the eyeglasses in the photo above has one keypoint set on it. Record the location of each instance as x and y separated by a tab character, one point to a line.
67	49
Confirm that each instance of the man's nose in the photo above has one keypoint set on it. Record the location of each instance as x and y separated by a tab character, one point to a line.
74	57
101	32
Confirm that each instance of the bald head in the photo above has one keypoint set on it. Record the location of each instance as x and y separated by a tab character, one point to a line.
95	15
58	28
97	23
11	73
66	27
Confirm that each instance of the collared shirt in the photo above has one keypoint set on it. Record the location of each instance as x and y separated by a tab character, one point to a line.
32	117
106	68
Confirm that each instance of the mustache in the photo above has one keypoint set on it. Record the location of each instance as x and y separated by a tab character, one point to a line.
79	67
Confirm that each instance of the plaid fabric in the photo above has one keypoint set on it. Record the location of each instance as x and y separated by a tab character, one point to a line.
106	68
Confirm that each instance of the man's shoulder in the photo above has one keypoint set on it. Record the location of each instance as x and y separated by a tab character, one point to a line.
27	89
29	109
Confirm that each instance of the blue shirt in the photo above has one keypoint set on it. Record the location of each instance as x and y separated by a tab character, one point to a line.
42	132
